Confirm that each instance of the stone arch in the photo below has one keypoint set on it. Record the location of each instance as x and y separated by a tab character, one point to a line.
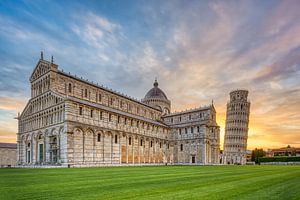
78	143
108	133
99	145
89	130
108	146
99	132
61	130
77	130
47	132
88	145
35	135
53	131
54	140
159	107
116	137
40	135
166	110
28	137
23	137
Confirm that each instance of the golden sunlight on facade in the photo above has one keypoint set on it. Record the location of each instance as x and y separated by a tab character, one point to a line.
72	122
259	136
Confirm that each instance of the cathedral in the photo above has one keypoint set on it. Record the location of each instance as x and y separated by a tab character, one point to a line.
72	122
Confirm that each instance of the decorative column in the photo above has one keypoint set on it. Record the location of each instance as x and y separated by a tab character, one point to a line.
204	151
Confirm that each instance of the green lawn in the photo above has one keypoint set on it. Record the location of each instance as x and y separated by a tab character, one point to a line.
167	182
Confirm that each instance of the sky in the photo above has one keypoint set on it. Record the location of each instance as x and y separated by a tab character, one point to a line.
198	50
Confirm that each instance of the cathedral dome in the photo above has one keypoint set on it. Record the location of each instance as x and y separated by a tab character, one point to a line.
157	99
156	93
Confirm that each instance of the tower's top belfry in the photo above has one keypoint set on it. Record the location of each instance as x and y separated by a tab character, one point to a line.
238	95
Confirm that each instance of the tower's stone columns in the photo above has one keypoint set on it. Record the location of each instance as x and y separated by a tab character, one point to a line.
236	128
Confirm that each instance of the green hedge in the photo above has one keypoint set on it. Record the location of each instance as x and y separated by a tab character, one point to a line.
279	159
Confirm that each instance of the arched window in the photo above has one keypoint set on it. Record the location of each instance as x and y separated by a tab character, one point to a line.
92	113
141	142
129	141
116	139
151	143
181	147
99	137
70	87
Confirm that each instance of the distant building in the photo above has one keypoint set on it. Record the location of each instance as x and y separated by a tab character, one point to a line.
286	151
73	122
248	155
236	128
8	154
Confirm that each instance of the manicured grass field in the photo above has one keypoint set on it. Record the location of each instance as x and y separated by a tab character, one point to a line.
167	182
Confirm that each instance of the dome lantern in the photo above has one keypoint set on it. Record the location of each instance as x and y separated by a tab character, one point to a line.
155	84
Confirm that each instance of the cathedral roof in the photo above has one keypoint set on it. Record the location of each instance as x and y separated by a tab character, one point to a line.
155	93
8	145
105	88
191	110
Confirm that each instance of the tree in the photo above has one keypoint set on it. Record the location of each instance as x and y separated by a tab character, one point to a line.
293	152
257	153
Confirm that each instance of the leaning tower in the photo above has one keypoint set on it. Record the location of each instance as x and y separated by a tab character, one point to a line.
236	128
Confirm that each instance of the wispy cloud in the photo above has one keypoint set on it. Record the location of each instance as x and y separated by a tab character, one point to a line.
97	31
8	103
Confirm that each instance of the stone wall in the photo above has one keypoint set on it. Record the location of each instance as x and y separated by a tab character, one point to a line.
196	135
8	157
93	146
